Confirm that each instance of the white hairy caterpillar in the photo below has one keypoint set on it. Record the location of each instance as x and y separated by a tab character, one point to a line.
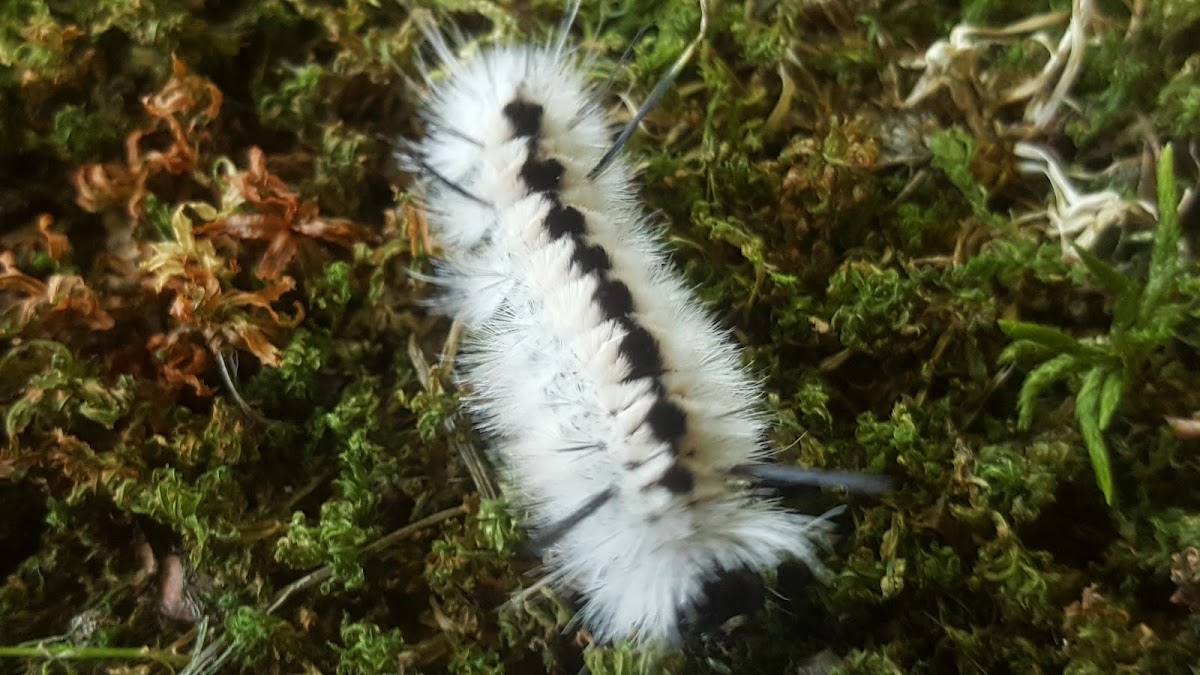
617	406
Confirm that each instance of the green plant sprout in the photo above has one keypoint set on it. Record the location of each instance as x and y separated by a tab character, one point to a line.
215	356
1144	318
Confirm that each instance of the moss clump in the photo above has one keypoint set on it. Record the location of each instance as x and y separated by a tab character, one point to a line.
226	449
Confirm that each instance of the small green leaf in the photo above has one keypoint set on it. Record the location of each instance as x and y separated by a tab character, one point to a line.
1038	379
1106	274
1110	396
1022	350
1087	404
1045	336
1164	259
1128	294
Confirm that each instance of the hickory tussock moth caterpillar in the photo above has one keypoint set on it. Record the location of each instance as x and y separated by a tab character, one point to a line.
617	407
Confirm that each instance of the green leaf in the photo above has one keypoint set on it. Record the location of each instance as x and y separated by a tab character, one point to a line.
1164	259
1106	274
1038	379
1023	350
1087	404
1046	336
1110	396
953	152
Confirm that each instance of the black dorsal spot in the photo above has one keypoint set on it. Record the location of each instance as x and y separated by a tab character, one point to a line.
614	299
525	117
591	259
542	175
640	349
677	479
668	422
565	221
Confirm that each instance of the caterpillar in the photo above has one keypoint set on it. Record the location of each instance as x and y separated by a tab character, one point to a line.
617	407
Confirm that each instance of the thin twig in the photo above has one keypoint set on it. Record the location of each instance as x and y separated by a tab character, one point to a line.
227	377
66	651
208	661
477	465
656	94
321	574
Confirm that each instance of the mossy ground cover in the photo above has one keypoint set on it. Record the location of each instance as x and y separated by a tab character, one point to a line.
229	446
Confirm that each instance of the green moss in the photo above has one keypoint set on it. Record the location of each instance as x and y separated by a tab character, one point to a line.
80	134
870	257
300	362
1123	76
48	388
871	305
954	152
340	169
498	525
476	662
334	541
1023	481
255	636
867	663
623	660
365	468
1177	108
202	510
296	101
367	649
893	440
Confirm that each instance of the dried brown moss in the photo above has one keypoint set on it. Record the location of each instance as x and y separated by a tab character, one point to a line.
226	449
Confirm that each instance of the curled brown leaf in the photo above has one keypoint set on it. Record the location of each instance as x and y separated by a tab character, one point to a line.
207	314
60	302
181	362
254	337
281	218
182	109
100	187
56	244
